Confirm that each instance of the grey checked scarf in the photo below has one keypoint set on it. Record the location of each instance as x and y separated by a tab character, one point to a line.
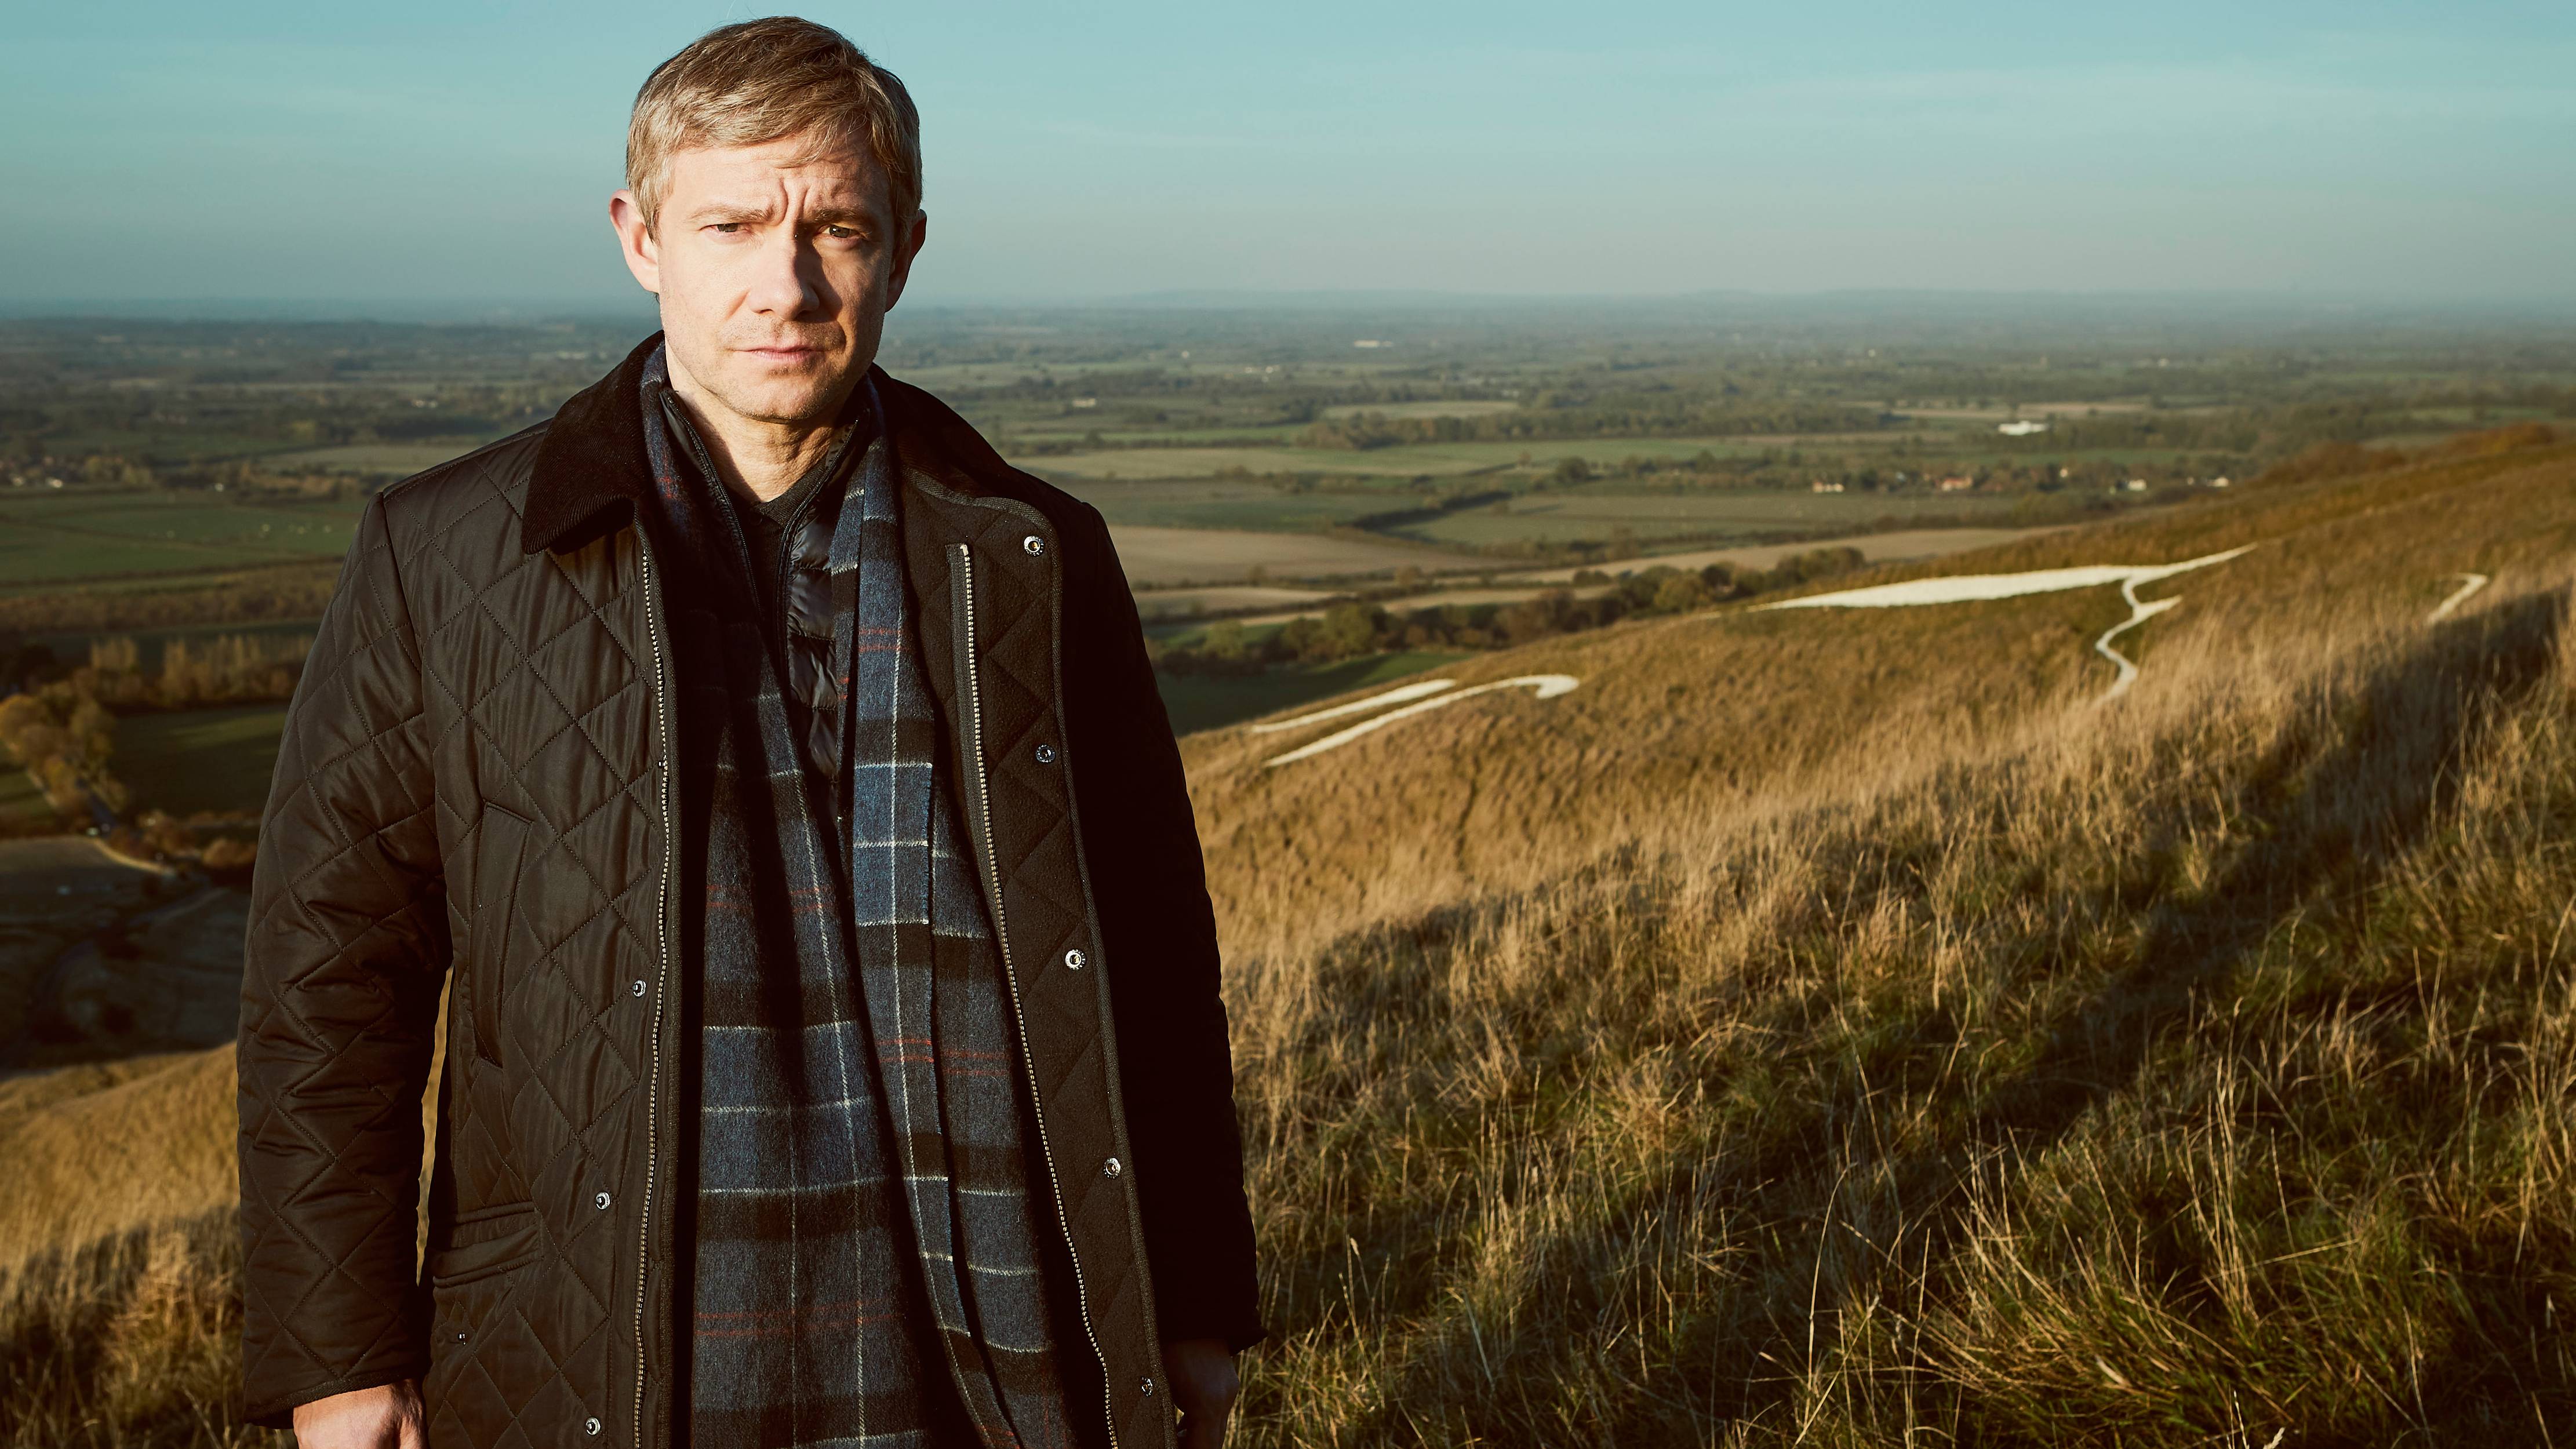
867	1269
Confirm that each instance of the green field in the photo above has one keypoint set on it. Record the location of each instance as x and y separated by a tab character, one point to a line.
77	535
200	759
1206	702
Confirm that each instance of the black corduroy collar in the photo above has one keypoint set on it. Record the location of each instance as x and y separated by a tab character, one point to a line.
590	464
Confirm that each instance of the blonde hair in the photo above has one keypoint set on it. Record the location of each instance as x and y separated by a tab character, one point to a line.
761	80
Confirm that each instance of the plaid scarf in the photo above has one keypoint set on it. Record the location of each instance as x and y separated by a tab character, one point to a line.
866	1250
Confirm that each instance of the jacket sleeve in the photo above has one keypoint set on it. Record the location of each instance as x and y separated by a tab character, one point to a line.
1159	935
345	954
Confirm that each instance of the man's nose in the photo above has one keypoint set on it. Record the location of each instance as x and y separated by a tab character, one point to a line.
784	283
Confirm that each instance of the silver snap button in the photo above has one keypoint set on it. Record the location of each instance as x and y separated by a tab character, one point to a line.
1146	1388
1046	754
460	1335
600	1202
590	1426
1111	1168
1074	959
639	988
1033	545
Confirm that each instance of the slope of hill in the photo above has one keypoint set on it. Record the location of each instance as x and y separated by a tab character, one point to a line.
1745	709
1830	1025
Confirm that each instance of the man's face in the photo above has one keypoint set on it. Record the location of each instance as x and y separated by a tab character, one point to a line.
775	269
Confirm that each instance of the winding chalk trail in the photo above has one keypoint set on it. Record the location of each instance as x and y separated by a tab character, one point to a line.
2469	584
1968	588
1547	686
2140	611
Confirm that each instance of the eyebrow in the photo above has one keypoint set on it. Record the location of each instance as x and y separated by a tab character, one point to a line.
716	213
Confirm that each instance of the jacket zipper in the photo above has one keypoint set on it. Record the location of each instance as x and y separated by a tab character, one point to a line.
661	968
1002	939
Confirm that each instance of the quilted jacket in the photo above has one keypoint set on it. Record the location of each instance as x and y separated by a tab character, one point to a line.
474	805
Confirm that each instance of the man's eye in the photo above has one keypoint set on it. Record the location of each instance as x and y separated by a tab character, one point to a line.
726	228
841	232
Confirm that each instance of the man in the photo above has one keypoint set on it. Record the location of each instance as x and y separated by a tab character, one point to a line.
777	782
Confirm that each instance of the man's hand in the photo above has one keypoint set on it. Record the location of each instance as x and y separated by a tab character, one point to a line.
385	1417
1203	1388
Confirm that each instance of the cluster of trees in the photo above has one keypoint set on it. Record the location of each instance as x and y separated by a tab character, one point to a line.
159	835
62	736
1355	627
228	669
59	726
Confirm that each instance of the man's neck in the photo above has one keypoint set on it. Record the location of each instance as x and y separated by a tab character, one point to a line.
758	458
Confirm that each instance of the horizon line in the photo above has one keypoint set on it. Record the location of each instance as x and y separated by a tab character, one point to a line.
536	309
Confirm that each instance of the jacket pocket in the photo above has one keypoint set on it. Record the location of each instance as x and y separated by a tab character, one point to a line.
497	859
486	1244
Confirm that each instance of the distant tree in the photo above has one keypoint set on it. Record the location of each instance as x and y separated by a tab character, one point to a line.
1680	594
1225	640
1350	629
1300	638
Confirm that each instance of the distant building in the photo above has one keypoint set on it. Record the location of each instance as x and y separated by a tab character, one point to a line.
2020	429
1956	483
1821	486
2136	485
1370	342
1086	402
2218	482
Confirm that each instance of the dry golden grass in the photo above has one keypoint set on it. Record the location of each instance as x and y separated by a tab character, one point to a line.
1831	1028
2194	1071
128	1340
99	1150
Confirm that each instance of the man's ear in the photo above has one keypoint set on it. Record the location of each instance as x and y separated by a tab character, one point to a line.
905	251
636	242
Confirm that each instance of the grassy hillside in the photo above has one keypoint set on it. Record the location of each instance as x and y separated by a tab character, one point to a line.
1995	1068
1833	1027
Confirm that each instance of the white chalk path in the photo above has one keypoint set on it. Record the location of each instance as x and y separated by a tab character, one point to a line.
1968	588
1547	686
2140	611
1397	695
2469	584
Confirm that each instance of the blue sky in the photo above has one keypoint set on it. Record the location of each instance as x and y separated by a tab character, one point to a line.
258	150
